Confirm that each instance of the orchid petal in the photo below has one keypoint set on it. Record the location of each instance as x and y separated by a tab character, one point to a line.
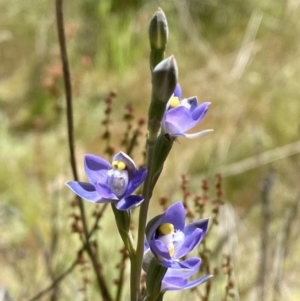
193	101
178	91
200	224
189	243
152	226
130	165
130	202
178	283
104	191
198	134
177	120
173	284
197	282
136	181
199	112
86	191
176	265
96	168
160	250
192	266
175	215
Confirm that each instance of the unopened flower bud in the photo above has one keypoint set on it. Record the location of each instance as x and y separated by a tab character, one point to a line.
164	79
158	30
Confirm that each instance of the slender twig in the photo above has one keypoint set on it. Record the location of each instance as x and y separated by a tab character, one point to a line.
258	160
67	83
265	199
95	226
282	246
54	223
132	142
120	279
55	235
68	90
293	213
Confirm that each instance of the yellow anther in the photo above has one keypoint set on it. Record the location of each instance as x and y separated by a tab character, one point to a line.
165	229
171	249
119	165
175	102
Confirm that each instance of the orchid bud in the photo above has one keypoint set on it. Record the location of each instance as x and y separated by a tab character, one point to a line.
158	37
164	79
158	30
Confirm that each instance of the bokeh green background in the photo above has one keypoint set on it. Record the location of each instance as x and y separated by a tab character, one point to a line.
243	56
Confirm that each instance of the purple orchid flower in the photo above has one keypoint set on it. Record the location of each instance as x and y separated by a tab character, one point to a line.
111	182
183	114
170	239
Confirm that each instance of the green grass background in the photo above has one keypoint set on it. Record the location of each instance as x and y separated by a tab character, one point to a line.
243	56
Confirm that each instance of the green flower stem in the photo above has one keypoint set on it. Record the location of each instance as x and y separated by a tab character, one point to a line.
136	261
164	79
157	152
123	223
163	146
156	56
